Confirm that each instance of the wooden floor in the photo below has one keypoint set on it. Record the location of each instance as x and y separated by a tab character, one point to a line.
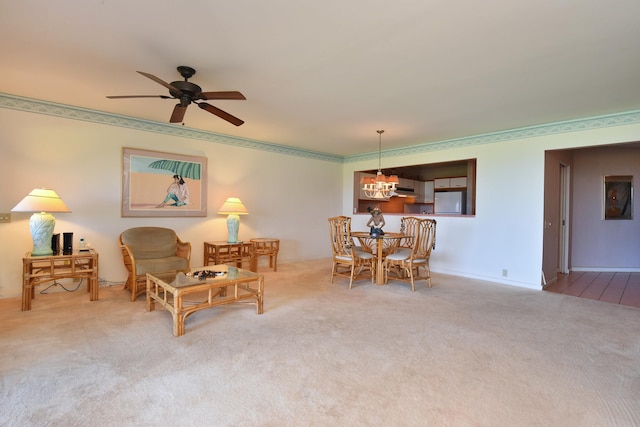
617	288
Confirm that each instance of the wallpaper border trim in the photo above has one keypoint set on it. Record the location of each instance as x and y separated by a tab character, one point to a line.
76	113
610	120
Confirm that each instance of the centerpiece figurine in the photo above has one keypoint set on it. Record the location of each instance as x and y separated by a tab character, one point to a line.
376	222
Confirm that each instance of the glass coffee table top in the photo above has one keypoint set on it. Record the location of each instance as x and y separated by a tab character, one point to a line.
208	274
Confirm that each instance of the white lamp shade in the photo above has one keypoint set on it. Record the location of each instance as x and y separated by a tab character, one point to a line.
233	205
41	200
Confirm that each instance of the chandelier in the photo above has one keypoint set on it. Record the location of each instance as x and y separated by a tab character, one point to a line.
379	187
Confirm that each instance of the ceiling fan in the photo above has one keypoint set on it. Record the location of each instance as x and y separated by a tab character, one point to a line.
187	93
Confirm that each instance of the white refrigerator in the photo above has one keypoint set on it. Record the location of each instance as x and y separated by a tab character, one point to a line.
449	202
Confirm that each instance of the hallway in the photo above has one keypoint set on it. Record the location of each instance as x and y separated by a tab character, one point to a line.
617	288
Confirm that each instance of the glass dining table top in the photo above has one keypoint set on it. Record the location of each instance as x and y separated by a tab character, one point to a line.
388	235
371	243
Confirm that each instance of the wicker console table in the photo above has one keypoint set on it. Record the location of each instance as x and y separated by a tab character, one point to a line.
41	269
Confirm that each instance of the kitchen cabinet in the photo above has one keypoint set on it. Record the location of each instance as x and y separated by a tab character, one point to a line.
447	183
441	182
459	182
424	191
406	183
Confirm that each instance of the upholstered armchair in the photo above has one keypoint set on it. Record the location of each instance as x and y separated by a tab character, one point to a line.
151	250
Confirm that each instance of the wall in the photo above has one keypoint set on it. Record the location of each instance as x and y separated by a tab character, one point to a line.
598	244
506	234
82	161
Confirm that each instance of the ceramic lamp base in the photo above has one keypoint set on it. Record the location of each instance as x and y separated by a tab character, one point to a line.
233	225
42	225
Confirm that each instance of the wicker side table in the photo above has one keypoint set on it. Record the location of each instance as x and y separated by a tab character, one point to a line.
224	253
265	247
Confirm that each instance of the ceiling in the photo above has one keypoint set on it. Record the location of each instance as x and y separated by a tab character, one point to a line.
325	75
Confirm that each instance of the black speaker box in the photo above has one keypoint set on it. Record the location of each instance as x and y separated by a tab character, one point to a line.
55	243
67	243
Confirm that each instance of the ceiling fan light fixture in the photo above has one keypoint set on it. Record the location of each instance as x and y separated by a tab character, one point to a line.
187	93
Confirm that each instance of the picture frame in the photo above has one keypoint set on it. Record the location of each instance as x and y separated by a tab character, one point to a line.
149	188
618	197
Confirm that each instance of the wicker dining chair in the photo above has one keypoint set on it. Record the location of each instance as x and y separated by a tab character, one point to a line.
409	227
347	260
403	263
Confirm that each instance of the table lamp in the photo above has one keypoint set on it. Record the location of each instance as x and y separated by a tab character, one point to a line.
233	207
41	201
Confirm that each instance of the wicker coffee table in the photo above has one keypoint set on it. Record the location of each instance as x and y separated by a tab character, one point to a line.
184	294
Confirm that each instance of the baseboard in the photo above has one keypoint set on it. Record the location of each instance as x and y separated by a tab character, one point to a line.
550	282
8	295
608	270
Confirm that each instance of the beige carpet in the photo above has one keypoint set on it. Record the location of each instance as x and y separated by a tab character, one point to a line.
463	353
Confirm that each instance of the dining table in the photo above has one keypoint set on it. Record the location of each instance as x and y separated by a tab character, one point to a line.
379	245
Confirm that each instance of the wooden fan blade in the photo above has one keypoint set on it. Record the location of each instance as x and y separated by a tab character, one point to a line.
139	96
222	95
222	114
178	113
160	81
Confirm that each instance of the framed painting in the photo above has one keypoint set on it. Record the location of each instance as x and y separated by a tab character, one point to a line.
156	184
618	197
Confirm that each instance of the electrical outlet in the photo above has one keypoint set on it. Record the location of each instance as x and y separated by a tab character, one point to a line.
5	217
505	272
